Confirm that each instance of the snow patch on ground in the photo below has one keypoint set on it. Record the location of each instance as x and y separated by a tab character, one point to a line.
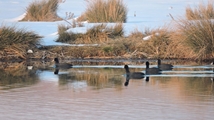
141	15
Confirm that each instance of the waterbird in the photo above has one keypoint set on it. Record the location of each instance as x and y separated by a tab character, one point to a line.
152	71
62	65
164	66
133	75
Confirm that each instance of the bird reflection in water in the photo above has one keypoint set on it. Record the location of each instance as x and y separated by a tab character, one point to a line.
56	71
58	65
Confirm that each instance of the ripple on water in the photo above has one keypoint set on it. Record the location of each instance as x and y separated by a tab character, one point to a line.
177	94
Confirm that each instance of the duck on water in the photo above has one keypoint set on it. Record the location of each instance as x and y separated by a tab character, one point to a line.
62	65
132	75
164	66
152	71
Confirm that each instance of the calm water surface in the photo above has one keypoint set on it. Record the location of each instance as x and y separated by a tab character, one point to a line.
98	92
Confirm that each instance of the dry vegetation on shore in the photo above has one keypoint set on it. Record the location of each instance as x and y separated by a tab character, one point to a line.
15	42
191	38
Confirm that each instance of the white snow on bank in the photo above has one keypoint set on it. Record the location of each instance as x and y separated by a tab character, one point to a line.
149	14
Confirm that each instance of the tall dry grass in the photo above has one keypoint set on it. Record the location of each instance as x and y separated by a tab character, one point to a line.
15	42
201	11
12	35
106	11
156	43
199	36
62	28
197	31
162	43
136	34
44	10
97	34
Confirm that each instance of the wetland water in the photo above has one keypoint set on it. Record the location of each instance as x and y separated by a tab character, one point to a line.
97	91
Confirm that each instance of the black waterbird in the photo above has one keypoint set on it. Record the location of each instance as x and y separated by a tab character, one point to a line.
62	65
164	66
152	71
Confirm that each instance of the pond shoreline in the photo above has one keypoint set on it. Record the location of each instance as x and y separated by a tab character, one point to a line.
48	53
99	59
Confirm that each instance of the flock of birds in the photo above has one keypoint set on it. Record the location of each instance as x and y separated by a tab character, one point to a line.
129	75
148	71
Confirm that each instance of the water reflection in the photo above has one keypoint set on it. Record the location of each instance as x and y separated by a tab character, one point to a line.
17	75
100	78
56	71
97	78
75	93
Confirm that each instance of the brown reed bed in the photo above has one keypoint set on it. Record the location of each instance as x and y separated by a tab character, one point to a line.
97	34
98	11
201	11
44	10
15	42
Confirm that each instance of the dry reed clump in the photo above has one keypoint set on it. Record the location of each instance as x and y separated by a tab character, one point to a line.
136	34
15	42
199	36
198	33
105	11
157	43
62	28
44	10
201	11
177	47
66	37
97	34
